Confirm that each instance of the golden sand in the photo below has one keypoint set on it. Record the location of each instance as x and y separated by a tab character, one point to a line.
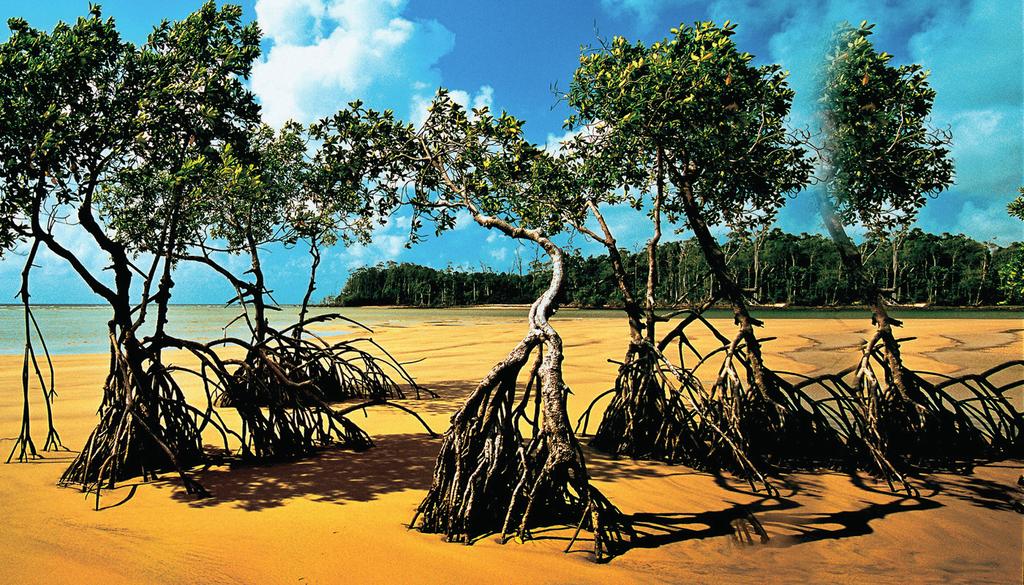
341	517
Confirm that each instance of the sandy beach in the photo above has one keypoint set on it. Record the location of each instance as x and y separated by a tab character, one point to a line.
341	517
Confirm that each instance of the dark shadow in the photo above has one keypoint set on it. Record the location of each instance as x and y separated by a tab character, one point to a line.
64	456
851	523
658	529
662	528
977	491
131	494
395	463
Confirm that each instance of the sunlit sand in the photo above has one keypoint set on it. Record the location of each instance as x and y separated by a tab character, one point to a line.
342	516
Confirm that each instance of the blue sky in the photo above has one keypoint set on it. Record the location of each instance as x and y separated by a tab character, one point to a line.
319	54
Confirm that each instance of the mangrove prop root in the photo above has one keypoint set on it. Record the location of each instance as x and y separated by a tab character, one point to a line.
335	371
24	446
646	418
145	427
488	480
660	410
282	419
478	465
940	422
47	385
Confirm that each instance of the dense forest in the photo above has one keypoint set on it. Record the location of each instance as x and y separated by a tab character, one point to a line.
774	267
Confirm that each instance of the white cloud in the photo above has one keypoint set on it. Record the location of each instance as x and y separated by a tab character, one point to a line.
463	219
326	53
420	103
290	22
554	143
499	254
643	11
384	247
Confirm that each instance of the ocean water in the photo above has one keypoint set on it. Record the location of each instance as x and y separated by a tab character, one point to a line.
71	329
82	328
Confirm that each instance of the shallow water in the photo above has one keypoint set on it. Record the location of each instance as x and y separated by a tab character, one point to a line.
72	329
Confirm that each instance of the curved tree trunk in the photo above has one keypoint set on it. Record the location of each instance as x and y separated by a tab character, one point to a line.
906	420
145	424
868	292
728	289
485	479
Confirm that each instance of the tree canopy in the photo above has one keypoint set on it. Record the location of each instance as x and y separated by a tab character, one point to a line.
881	154
718	120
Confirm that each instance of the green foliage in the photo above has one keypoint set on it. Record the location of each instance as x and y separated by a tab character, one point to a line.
1011	274
883	157
695	98
408	284
798	270
1016	207
194	113
355	175
96	125
330	181
482	164
67	104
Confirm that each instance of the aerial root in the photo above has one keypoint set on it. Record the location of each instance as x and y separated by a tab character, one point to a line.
145	427
663	411
645	417
607	523
923	426
336	371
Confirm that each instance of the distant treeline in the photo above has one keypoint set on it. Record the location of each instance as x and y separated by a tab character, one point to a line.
775	267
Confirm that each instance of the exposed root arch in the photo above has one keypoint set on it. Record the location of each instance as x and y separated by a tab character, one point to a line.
750	427
335	371
488	478
294	422
145	427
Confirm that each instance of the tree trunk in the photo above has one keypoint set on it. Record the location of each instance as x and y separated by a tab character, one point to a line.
485	479
869	292
638	421
145	424
314	252
727	286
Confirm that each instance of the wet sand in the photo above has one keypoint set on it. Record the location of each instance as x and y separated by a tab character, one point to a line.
341	517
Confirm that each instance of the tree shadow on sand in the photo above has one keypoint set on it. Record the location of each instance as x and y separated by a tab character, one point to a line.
977	491
783	519
777	519
787	526
396	463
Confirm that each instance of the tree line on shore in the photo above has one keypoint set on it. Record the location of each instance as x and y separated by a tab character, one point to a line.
775	268
157	155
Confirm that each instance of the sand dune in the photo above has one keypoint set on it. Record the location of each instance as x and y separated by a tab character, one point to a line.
340	517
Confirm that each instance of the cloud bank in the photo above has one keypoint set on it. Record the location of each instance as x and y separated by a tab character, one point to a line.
325	53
